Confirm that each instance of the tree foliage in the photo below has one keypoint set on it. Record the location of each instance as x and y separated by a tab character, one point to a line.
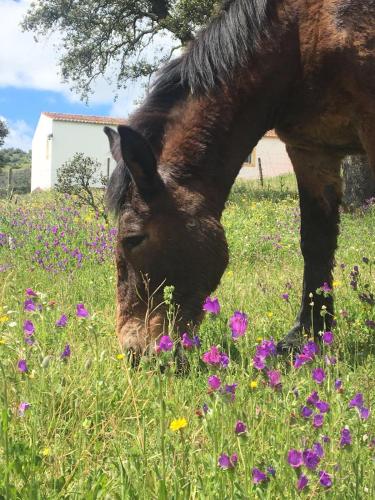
78	177
15	158
3	131
99	37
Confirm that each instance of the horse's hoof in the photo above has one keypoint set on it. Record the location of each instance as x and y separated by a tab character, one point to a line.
292	343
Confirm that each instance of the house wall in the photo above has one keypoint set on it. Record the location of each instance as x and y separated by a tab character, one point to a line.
274	157
41	175
72	137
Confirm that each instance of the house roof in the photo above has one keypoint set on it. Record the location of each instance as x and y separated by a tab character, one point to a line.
101	120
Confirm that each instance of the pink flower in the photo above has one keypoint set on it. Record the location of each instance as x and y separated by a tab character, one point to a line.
238	324
211	305
81	311
215	357
214	382
274	378
328	337
165	344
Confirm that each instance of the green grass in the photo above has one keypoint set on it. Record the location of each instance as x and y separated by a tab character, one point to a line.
98	429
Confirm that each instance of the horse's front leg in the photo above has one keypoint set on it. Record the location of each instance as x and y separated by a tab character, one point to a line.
319	186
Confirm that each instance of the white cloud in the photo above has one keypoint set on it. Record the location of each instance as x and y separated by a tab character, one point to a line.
20	135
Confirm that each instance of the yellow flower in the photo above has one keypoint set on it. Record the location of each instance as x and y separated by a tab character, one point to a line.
120	357
2	341
46	452
336	284
259	340
270	314
178	424
4	318
253	384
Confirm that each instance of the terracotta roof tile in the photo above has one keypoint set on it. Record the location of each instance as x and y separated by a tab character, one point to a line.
101	120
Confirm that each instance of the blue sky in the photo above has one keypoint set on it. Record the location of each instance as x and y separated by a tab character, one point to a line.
30	81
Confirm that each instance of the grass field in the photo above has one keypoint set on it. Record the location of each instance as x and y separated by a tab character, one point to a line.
77	422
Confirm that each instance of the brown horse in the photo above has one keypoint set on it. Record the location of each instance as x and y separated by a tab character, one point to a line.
303	67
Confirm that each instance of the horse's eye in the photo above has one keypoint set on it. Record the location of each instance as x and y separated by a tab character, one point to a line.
133	241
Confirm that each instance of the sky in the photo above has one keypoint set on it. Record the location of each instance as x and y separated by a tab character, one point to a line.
30	82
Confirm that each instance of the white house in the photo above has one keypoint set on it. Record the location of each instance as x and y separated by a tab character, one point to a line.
59	136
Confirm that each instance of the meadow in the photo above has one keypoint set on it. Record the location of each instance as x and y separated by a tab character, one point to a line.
76	421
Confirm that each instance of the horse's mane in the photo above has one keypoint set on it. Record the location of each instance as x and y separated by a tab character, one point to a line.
213	59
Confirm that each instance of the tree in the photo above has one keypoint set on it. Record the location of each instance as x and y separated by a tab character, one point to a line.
102	37
78	177
3	131
359	181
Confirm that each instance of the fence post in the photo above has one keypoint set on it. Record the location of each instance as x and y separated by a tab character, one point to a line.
10	182
260	172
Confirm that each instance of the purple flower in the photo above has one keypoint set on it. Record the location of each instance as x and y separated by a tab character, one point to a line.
258	476
28	327
306	412
302	482
326	439
274	378
266	349
211	305
30	292
214	382
328	337
364	413
326	288
318	374
66	352
22	366
313	398
330	360
322	406
215	357
310	349
325	479
271	471
318	421
238	324
310	459
295	458
81	311
285	296
22	407
165	344
186	341
338	384
318	449
301	360
205	408
225	462
230	389
196	341
357	401
240	428
346	438
259	362
60	323
29	305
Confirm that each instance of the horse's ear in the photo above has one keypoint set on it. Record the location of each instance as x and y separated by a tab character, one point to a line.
114	142
140	160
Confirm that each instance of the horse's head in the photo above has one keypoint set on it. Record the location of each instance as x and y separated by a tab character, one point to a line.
167	236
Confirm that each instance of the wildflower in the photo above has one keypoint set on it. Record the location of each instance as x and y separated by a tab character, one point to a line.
258	476
364	413
214	382
310	349
266	349
326	288
22	366
285	296
306	412
240	427
30	292
259	362
271	471
215	357
330	360
177	424
326	439
211	305
22	407
46	452
295	458
318	375
188	343
346	438
165	344
61	323
29	305
274	378
253	384
120	356
196	341
328	337
4	318
318	449
325	479
318	421
82	312
205	408
66	352
238	324
230	390
313	398
338	384
28	328
301	360
302	482
322	406
311	459
357	401
225	462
